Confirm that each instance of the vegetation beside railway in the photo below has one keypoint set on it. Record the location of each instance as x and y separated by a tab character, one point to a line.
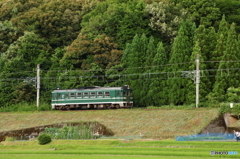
147	123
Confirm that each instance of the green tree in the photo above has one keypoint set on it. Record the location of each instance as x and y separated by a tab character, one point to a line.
114	76
120	20
57	21
231	10
19	63
8	34
150	54
220	46
226	74
202	12
233	95
158	89
179	60
101	50
205	84
204	49
166	17
133	60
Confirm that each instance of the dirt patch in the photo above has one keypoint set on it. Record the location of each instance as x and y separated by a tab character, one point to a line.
218	125
28	133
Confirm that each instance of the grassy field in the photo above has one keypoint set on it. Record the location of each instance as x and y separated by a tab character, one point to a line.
107	149
152	123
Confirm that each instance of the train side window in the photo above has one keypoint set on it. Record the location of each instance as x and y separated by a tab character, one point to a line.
85	94
100	94
59	96
92	94
72	95
66	95
106	94
79	95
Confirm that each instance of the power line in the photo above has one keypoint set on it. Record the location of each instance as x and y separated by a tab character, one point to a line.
145	67
160	75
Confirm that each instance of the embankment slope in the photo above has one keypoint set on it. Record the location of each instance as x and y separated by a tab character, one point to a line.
152	123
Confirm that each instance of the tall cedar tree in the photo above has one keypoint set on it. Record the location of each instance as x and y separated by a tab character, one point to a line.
50	78
203	48
148	64
133	61
228	68
230	8
204	85
157	90
179	60
222	36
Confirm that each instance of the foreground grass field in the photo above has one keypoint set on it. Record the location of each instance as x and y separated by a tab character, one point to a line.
117	149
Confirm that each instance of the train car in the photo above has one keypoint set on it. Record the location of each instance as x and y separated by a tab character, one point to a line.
92	98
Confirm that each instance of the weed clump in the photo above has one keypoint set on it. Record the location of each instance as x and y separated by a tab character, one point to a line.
44	139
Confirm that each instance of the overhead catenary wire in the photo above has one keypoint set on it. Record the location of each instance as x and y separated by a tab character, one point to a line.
172	74
165	75
145	67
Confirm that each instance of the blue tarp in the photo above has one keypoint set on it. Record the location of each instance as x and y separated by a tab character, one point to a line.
207	136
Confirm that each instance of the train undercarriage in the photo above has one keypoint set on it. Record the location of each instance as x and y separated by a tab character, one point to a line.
91	106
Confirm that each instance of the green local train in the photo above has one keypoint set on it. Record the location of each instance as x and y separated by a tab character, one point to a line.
92	98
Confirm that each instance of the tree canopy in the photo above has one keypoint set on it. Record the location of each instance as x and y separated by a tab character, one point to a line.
150	45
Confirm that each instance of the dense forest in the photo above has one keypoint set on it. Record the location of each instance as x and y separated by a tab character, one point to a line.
150	45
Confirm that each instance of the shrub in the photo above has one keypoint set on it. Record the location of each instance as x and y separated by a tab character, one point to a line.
10	139
45	107
44	139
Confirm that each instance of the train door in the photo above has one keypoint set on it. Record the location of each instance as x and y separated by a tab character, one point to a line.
127	96
118	95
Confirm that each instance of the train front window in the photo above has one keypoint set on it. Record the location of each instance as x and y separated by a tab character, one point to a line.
119	93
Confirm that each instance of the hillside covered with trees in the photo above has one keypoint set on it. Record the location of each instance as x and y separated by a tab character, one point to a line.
150	45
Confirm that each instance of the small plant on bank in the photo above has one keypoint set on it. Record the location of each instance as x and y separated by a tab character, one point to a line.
44	139
10	139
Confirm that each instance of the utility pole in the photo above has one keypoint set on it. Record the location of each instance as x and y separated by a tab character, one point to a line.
38	84
197	76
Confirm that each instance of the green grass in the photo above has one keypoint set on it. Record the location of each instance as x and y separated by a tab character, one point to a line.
127	149
24	107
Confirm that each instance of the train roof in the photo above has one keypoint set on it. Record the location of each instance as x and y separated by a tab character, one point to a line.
92	88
